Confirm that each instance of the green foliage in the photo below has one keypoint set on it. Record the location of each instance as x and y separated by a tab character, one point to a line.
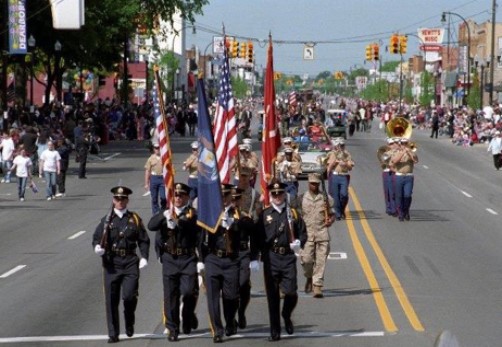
239	87
474	97
427	89
390	66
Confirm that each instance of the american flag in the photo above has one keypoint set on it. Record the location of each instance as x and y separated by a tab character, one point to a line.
225	130
164	142
292	98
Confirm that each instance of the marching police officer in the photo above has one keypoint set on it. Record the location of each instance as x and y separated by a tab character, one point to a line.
248	252
221	263
281	233
115	239
339	166
176	242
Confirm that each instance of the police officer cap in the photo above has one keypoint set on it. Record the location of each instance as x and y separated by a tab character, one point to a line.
314	178
236	192
121	191
181	188
194	145
277	187
226	188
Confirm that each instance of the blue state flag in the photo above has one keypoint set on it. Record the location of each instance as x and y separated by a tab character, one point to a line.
209	200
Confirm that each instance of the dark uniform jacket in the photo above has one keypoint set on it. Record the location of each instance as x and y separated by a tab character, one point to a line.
184	239
124	236
248	236
224	242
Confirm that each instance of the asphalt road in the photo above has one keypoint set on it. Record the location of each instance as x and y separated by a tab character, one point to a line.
388	283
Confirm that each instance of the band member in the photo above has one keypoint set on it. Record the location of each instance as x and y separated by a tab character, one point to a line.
318	215
288	170
115	239
221	263
403	160
388	177
339	166
248	252
176	242
154	180
191	165
281	233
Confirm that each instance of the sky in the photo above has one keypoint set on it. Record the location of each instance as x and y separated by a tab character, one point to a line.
341	29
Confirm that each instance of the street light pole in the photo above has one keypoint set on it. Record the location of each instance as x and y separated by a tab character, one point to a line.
443	20
31	43
57	69
492	53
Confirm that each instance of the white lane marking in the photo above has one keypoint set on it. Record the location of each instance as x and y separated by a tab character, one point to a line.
337	255
6	194
112	156
186	337
13	271
74	236
147	193
425	167
466	194
492	211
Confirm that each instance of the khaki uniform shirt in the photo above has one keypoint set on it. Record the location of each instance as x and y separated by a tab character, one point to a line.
344	158
406	164
313	215
250	203
191	165
154	165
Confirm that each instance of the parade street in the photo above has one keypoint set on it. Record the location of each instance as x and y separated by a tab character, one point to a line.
387	283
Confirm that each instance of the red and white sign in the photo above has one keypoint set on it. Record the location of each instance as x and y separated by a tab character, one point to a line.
431	39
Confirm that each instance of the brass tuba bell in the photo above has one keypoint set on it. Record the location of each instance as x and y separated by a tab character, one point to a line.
399	127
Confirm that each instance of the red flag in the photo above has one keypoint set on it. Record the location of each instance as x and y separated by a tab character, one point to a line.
164	141
271	137
225	129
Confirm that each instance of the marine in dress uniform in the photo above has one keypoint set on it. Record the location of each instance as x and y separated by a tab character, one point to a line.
154	181
282	232
221	263
388	178
191	165
177	241
318	216
289	167
339	166
248	253
124	233
403	160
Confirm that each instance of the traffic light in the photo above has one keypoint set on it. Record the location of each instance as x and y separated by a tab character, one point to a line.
101	80
277	76
368	53
250	52
403	44
228	46
243	50
376	52
235	49
338	75
394	44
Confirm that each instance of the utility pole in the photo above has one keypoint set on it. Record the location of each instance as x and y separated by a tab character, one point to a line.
492	53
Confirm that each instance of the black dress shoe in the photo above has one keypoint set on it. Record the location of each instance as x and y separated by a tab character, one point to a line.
274	337
290	329
195	322
407	216
113	339
242	321
130	330
231	329
187	327
172	336
217	339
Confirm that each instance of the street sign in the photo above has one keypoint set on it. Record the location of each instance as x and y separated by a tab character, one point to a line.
308	52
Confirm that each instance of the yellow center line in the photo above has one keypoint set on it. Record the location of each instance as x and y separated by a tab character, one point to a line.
383	309
394	281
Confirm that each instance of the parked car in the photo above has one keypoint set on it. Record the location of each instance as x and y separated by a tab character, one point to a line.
336	123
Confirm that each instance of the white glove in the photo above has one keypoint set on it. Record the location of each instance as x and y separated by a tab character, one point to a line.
167	214
98	250
227	223
295	245
143	263
200	267
171	224
254	265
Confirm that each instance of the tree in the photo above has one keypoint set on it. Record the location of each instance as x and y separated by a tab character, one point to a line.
239	87
427	89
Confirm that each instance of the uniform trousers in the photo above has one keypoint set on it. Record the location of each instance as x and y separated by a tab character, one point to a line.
157	193
193	183
179	277
244	281
280	273
388	192
339	190
121	273
313	258
404	190
222	280
82	164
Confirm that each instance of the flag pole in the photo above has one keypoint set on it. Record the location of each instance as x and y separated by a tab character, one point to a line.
169	189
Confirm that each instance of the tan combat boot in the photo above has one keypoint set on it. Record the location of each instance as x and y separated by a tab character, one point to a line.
318	292
308	285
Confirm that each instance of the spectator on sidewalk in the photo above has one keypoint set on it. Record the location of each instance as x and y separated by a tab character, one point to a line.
22	164
7	146
495	147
